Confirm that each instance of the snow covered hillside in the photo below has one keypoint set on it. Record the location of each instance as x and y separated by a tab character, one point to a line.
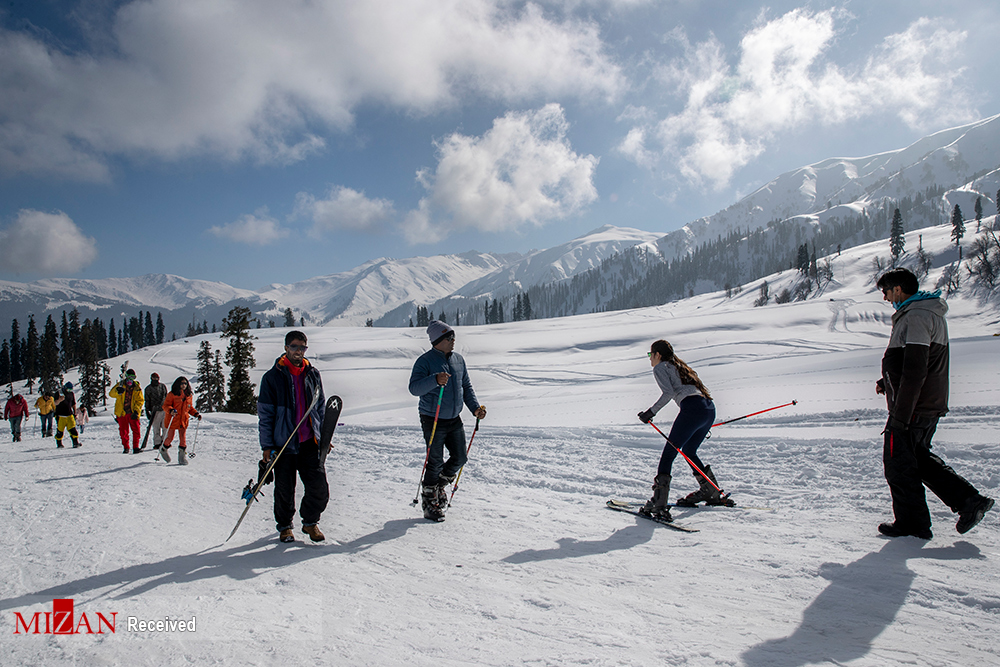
839	187
530	568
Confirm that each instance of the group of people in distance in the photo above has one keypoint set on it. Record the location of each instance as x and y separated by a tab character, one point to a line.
168	412
61	408
914	381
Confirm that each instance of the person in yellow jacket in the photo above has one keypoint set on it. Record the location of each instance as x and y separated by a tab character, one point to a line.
128	405
46	406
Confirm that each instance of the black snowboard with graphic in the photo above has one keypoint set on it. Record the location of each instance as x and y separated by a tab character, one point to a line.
334	405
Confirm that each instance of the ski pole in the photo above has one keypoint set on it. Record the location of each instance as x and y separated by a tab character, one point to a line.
191	448
427	456
160	449
752	414
468	449
688	459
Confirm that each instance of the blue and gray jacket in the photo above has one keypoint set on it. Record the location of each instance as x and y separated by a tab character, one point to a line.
423	383
276	406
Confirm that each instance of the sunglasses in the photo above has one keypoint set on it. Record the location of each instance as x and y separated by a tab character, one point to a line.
297	348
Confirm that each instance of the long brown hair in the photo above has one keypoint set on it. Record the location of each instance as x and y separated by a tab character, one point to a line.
175	388
687	374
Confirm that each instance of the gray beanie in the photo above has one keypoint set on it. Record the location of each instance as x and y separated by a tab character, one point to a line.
437	330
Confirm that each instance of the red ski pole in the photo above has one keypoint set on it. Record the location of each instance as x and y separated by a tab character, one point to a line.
416	498
752	414
688	459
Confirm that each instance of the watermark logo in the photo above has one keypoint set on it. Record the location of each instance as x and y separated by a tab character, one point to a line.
62	620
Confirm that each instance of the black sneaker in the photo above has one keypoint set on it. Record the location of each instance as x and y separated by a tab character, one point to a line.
892	530
973	514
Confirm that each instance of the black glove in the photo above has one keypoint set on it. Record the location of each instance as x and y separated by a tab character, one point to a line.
897	425
135	415
646	416
261	467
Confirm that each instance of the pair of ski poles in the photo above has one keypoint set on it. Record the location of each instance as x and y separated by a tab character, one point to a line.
728	421
458	478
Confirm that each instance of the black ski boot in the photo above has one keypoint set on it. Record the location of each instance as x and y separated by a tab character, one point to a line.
657	505
707	492
430	501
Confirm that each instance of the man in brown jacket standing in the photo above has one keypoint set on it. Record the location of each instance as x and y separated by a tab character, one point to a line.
915	384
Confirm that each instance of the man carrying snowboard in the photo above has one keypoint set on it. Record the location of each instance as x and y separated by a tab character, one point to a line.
440	379
286	392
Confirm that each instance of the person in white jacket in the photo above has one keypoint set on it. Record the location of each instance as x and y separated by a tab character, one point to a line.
678	382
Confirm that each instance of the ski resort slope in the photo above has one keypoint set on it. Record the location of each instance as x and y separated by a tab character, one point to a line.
530	568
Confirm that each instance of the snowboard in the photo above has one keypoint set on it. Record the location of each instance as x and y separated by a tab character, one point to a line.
334	404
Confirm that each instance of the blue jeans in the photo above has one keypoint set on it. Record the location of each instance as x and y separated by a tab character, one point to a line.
450	433
688	432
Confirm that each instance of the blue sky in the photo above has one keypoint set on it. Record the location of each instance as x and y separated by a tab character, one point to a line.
253	142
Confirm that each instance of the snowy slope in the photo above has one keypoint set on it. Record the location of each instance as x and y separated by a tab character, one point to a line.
529	568
946	158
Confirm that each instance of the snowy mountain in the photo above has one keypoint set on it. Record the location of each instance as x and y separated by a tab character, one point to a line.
378	286
539	267
838	187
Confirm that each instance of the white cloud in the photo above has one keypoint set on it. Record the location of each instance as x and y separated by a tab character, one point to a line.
784	80
258	228
521	171
344	208
263	80
46	244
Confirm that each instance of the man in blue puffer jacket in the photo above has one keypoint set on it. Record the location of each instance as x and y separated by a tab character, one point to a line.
286	392
440	374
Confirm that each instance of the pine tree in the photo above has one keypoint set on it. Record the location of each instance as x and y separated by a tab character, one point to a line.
211	380
91	380
16	369
64	348
74	338
112	339
4	362
148	334
289	318
979	213
957	225
160	328
239	357
48	358
526	308
897	238
31	352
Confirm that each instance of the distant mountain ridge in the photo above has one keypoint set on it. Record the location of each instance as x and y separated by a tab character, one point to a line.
349	298
833	202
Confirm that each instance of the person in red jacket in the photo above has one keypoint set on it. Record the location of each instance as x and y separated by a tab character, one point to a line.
177	407
14	411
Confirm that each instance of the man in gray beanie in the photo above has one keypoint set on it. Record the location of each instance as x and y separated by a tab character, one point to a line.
441	381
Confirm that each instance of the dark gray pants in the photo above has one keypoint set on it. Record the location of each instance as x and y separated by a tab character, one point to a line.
316	491
450	434
910	466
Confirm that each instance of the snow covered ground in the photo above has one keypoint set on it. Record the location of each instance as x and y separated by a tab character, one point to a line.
530	568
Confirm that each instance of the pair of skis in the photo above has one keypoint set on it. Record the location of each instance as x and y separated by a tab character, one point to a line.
265	474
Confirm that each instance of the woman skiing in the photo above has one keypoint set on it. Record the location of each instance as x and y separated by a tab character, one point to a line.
176	408
680	383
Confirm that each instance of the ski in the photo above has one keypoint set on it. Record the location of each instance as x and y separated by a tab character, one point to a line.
698	507
333	407
629	508
145	438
